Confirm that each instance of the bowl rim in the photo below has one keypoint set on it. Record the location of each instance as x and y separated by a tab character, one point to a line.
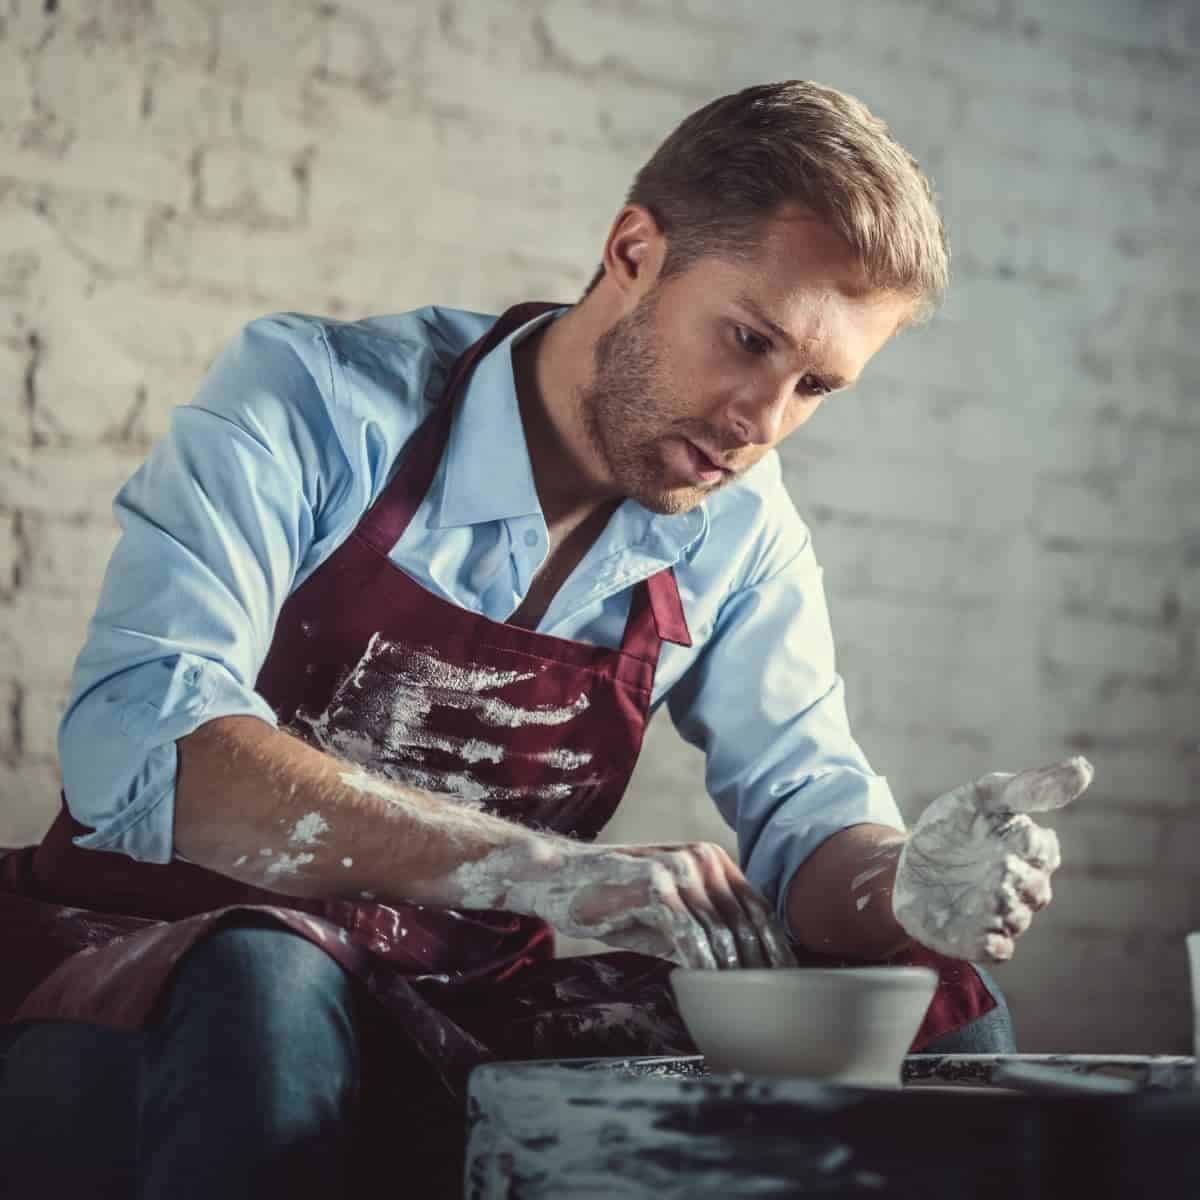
902	977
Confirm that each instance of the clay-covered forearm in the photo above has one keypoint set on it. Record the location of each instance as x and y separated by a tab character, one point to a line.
840	900
261	806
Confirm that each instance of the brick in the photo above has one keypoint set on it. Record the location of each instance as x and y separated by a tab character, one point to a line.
1081	711
878	489
253	188
1139	982
1181	836
41	710
149	171
925	696
1076	512
273	40
1143	26
633	117
180	334
1139	585
1153	903
1187	588
29	801
968	638
1079	641
1163	780
1074	581
1168	457
1062	134
44	661
68	555
670	768
775	15
1108	839
62	482
14	412
86	95
1048	192
39	272
922	764
10	690
184	35
84	387
666	55
11	552
188	105
1011	63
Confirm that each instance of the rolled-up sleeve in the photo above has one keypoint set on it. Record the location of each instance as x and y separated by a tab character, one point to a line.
215	526
765	703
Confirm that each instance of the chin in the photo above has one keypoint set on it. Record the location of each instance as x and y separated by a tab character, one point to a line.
670	503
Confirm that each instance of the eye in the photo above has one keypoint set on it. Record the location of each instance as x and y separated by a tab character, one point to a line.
810	385
750	341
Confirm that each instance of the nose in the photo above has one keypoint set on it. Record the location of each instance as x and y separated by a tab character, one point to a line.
756	416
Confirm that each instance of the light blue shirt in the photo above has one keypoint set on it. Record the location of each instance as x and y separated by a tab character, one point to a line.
293	434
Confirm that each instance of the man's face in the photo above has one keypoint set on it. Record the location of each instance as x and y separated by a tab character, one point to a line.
715	366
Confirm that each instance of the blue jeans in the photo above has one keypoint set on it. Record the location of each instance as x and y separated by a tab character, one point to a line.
245	1084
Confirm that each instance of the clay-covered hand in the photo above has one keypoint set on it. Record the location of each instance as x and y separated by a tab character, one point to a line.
687	902
976	867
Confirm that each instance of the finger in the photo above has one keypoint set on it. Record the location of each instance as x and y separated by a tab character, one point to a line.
1041	789
1034	843
1017	920
768	930
643	941
1031	885
996	947
714	863
1042	850
771	934
686	928
689	883
689	941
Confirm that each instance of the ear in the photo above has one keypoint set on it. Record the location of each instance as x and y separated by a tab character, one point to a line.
635	251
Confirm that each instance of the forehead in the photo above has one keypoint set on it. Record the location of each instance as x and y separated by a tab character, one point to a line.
806	281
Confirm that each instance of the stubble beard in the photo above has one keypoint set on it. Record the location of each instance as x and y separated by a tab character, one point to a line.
626	411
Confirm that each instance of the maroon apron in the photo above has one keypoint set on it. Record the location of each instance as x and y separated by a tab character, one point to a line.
367	663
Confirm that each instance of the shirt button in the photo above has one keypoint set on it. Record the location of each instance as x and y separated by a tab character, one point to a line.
531	537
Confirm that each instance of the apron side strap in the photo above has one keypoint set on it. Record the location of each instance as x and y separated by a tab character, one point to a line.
667	607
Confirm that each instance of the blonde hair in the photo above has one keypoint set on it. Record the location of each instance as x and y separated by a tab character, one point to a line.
731	164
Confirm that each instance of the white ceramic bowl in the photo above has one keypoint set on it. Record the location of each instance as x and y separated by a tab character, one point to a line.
849	1025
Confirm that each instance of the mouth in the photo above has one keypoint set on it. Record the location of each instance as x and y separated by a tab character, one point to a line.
703	467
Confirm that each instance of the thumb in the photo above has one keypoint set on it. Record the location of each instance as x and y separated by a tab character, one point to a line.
1040	789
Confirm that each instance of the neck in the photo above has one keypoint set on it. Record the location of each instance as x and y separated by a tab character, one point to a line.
551	368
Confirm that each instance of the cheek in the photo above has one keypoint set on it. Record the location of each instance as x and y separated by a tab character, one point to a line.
802	413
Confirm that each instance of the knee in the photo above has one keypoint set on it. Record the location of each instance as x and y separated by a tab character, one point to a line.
259	981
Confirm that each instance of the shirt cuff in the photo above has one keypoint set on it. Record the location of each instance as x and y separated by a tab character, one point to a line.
825	805
119	756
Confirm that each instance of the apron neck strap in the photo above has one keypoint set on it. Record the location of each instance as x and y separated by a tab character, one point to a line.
385	523
656	612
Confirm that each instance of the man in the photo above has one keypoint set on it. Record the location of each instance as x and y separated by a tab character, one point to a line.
373	661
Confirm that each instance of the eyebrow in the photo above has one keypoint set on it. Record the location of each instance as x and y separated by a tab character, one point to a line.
833	381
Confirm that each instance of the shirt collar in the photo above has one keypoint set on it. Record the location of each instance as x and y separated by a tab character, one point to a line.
488	473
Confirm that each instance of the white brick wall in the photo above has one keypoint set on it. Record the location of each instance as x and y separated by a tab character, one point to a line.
1006	507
